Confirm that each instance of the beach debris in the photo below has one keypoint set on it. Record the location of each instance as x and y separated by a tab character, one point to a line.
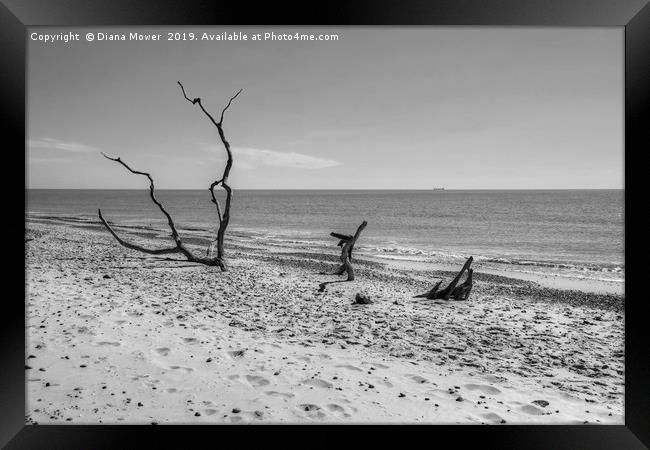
346	243
460	292
361	299
224	217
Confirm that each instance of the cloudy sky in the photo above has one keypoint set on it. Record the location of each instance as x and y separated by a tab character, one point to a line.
381	108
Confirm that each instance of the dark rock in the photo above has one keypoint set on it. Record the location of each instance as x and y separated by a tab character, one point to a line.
197	414
542	403
236	410
106	277
362	299
401	395
459	399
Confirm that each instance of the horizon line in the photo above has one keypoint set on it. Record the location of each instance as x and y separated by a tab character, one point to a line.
339	189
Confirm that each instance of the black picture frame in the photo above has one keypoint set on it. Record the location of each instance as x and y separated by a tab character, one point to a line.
17	15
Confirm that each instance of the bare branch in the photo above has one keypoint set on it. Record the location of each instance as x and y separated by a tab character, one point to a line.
224	216
228	105
162	251
198	101
170	222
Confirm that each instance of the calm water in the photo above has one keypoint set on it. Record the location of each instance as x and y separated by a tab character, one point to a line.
538	228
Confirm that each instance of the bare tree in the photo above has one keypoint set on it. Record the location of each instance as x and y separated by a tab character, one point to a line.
453	291
347	244
224	217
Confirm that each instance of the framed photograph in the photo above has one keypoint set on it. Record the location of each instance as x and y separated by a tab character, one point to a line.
359	214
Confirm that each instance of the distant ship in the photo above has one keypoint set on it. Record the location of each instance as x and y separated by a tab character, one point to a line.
439	189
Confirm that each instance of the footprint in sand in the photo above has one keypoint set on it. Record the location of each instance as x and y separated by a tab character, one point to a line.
108	344
337	409
120	322
303	358
163	351
492	417
312	410
418	379
491	390
182	369
209	412
189	340
317	382
532	410
171	390
380	366
493	378
279	394
256	380
350	367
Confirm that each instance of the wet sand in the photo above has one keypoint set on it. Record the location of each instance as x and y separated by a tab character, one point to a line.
115	336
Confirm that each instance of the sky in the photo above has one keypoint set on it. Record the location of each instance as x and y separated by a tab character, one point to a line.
381	108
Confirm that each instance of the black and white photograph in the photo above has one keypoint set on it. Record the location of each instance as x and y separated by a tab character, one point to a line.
325	225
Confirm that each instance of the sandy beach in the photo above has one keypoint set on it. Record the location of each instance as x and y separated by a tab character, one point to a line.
115	336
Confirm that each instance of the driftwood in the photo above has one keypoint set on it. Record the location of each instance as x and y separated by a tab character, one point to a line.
347	243
224	217
460	292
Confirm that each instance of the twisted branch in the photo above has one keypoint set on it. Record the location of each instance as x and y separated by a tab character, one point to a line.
224	217
178	248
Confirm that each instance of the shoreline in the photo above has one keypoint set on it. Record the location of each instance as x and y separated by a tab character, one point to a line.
144	328
547	274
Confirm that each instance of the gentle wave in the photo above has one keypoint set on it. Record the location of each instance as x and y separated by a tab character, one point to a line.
422	255
556	265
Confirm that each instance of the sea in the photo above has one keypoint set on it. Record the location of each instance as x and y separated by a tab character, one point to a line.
578	233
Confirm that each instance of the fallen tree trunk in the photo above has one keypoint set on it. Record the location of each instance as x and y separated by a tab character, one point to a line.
347	244
453	291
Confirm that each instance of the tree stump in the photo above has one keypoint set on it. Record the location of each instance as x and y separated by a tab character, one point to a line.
347	244
453	291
